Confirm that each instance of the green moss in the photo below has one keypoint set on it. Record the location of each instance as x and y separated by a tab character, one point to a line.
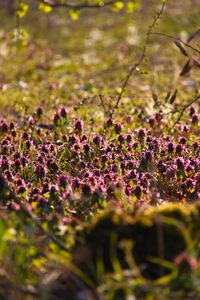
162	233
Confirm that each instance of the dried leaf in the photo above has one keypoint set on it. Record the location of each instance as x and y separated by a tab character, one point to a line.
196	61
181	48
187	67
173	97
155	97
193	35
167	96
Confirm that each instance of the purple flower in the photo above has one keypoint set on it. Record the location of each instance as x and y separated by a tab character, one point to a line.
170	172
128	138
25	136
39	171
121	138
86	148
56	118
138	191
4	164
12	126
97	140
141	134
180	163
62	181
84	138
182	140
104	158
135	145
4	127
195	119
21	189
192	111
17	164
52	165
109	122
63	112
152	122
189	183
170	147
39	112
179	149
158	116
86	189
28	144
78	126
72	139
118	128
52	189
148	156
8	174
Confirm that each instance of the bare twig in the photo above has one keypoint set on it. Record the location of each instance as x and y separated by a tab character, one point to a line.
176	39
182	110
19	201
134	67
79	6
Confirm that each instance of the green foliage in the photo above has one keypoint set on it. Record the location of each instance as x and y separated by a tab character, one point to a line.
132	6
22	10
173	225
74	14
45	8
117	6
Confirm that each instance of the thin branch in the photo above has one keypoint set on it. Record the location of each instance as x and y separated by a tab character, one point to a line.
78	6
134	67
103	104
177	39
182	110
18	200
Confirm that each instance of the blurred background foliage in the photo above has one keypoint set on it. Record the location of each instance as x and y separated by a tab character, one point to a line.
48	57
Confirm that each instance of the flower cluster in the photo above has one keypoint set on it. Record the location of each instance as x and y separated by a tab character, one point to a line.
63	168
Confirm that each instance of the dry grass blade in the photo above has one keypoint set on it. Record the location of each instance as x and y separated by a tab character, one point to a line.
173	97
167	96
187	67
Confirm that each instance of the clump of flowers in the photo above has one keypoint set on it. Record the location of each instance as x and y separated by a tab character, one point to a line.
68	167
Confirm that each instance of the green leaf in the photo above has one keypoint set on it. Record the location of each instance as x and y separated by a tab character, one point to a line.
130	7
45	8
22	10
166	279
117	6
74	14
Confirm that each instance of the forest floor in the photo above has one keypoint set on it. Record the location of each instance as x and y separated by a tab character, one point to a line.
100	200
